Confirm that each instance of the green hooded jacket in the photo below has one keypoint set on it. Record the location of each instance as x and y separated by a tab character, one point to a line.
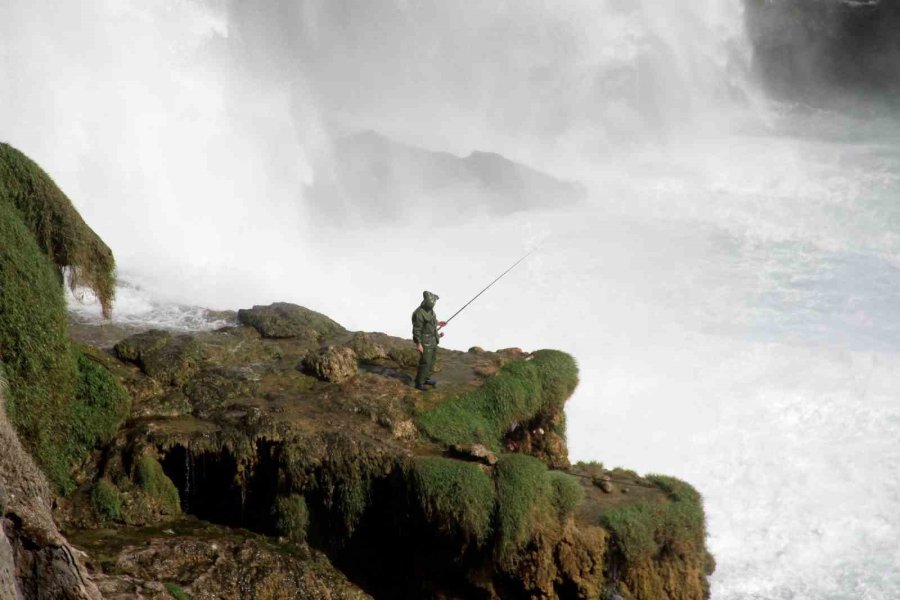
425	322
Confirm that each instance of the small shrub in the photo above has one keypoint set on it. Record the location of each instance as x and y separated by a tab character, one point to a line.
523	497
158	487
455	496
292	517
567	493
519	392
106	500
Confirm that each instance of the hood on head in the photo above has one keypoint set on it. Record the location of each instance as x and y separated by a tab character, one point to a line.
429	299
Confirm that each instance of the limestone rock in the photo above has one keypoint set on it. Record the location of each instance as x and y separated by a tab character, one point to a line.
285	320
334	364
166	358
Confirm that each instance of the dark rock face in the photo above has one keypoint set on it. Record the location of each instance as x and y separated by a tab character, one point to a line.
284	320
808	47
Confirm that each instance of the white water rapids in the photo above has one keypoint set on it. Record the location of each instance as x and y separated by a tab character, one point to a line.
729	286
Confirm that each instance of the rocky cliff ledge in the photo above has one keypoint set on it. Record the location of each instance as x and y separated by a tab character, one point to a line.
286	457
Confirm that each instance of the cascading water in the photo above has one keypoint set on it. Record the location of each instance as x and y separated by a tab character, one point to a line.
728	285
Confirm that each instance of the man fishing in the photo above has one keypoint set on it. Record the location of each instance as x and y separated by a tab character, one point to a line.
425	330
426	337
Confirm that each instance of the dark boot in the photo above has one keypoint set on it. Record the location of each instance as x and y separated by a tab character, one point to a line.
421	387
431	382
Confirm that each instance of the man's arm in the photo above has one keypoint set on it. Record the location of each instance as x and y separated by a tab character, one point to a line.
418	321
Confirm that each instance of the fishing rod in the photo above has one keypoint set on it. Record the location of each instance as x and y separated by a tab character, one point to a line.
489	286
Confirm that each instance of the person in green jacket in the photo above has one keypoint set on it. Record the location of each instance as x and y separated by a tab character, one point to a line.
426	337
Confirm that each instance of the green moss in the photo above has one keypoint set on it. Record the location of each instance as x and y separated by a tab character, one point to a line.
522	390
677	524
159	488
292	517
106	500
523	498
176	592
40	233
455	496
567	493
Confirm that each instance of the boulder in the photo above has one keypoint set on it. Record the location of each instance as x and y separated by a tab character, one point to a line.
284	320
366	347
334	364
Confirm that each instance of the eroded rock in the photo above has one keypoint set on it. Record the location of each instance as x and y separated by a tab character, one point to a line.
366	347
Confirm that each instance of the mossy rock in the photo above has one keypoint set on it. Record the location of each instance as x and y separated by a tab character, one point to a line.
292	517
106	501
168	358
334	364
158	488
285	320
4	499
456	497
647	529
42	238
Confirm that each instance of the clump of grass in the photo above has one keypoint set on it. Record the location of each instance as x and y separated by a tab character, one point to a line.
455	496
106	500
523	498
677	524
292	517
41	234
567	493
157	486
522	390
176	592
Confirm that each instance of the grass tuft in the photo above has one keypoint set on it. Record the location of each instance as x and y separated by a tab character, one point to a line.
456	497
521	390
